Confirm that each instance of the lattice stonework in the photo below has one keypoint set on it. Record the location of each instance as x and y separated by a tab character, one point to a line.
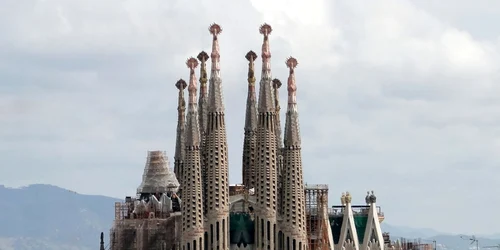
294	224
217	186
192	197
266	186
250	139
180	142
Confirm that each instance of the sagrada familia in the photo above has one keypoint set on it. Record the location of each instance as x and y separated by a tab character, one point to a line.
195	208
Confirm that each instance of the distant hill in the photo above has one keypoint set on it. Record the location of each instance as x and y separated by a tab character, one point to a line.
45	217
408	232
443	240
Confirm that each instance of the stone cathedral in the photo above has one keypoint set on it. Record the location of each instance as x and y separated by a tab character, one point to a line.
268	210
195	208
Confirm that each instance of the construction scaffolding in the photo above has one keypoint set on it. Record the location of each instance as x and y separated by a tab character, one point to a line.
145	234
316	198
157	176
155	230
152	220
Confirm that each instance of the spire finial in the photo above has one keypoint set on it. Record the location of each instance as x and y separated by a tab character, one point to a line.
291	63
181	85
251	56
203	57
192	63
266	29
266	100
215	30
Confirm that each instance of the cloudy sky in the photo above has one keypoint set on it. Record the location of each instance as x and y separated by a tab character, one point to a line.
397	96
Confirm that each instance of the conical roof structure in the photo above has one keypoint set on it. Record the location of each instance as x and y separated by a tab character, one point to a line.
157	177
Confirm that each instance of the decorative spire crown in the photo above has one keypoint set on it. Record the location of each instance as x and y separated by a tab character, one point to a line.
203	57
251	56
181	85
266	29
192	63
215	96
291	63
266	99
215	30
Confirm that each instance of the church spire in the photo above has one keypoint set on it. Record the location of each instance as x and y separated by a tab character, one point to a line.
202	101
181	130
203	116
266	180
265	93
276	97
216	103
217	186
292	132
294	217
279	143
192	211
249	142
193	130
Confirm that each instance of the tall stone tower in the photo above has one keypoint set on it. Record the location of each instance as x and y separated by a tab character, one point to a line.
192	210
217	194
250	139
181	127
279	143
203	119
276	97
203	101
294	217
266	185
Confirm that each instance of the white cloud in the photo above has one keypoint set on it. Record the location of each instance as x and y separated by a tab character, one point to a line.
396	96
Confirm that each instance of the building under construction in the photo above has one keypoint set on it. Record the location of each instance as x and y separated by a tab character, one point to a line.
195	208
152	218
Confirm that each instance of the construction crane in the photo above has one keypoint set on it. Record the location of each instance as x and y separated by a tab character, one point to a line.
497	246
472	239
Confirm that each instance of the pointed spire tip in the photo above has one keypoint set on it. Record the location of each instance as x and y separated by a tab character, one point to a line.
291	63
192	63
203	57
251	56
